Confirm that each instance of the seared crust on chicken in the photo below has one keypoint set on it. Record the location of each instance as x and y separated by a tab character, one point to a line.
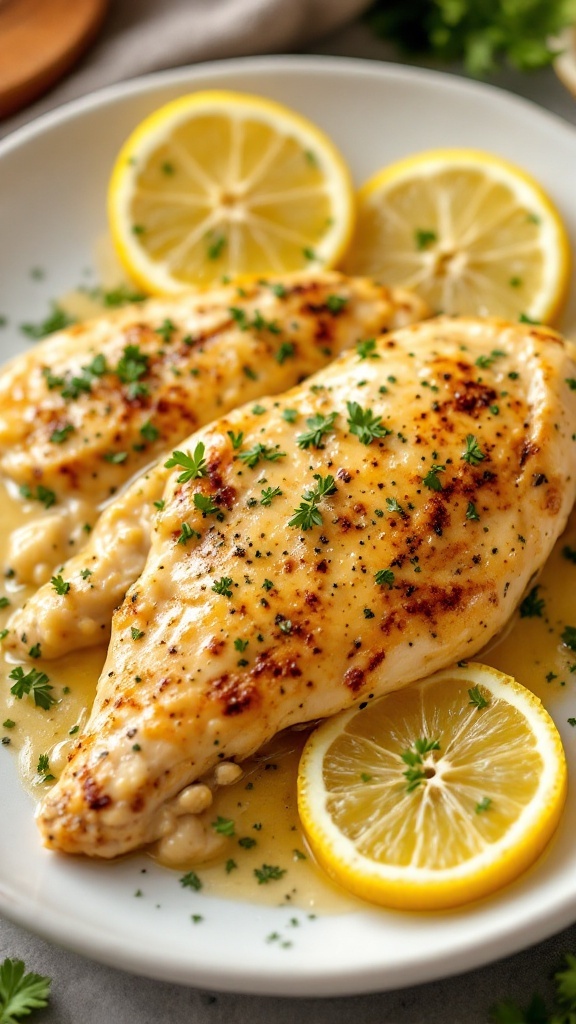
87	409
227	348
385	526
175	363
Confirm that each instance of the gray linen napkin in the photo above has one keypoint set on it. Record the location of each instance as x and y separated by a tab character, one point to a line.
147	35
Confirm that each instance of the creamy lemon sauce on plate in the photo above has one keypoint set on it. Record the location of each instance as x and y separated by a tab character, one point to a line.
258	837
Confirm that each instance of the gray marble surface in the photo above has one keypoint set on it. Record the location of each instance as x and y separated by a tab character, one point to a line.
85	992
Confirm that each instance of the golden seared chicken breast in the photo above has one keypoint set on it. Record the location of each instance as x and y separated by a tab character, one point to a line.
87	409
312	552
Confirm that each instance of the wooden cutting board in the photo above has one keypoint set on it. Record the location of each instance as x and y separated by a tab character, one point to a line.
39	42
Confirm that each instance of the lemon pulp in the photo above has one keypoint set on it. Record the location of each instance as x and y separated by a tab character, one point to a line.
226	184
450	823
472	233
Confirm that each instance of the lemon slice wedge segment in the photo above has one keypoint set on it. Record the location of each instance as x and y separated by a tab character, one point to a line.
473	234
436	794
223	184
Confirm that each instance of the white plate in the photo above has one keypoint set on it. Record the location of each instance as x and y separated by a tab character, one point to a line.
53	177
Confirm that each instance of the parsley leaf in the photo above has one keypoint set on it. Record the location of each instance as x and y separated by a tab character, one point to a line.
222	586
194	465
415	773
307	514
259	451
385	576
364	424
131	367
56	320
367	349
477	698
268	873
268	493
20	992
191	881
432	480
205	505
318	425
532	606
61	586
35	683
472	454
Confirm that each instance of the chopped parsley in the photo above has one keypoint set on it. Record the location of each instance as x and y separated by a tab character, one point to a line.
224	826
268	873
132	366
43	768
286	351
59	435
191	881
41	494
415	773
216	246
34	683
222	586
477	698
56	320
484	805
532	606
268	494
367	349
395	506
385	577
61	586
472	454
569	637
136	633
187	533
205	505
149	431
336	303
432	480
471	511
423	237
307	514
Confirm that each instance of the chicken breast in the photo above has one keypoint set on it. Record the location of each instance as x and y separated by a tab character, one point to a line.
376	523
84	411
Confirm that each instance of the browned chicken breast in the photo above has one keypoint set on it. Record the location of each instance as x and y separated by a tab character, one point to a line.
321	316
372	525
84	411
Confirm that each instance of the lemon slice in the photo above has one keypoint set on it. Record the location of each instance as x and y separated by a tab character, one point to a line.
438	793
225	184
473	234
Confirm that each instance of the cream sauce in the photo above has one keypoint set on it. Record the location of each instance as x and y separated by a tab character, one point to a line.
262	803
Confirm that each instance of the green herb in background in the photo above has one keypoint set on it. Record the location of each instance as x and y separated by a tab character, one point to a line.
563	1010
20	993
484	34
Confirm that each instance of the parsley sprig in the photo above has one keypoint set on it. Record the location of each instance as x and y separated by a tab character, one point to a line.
34	683
318	426
307	514
132	366
472	453
564	1006
432	480
194	464
259	451
364	424
20	992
